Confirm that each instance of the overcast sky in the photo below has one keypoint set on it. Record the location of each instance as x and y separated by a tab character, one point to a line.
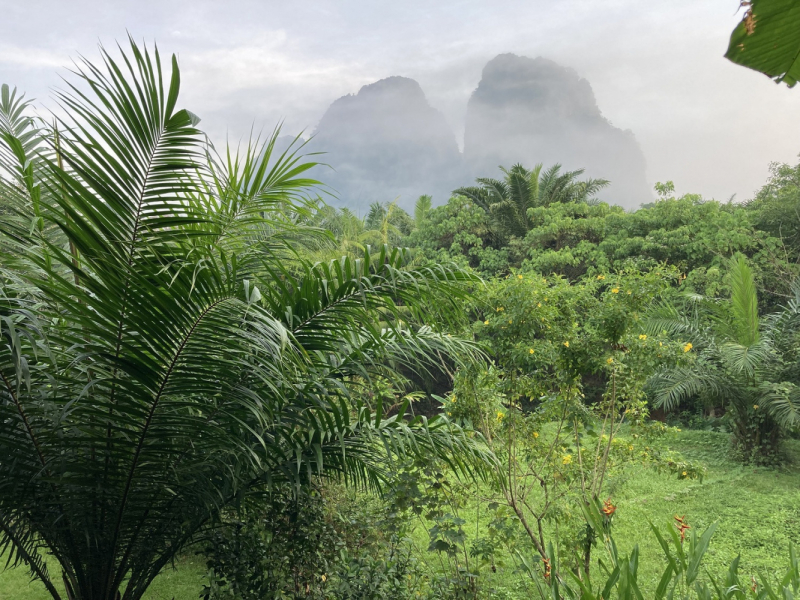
656	67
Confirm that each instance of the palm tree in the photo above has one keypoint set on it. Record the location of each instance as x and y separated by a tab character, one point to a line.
741	362
386	223
509	200
344	227
163	350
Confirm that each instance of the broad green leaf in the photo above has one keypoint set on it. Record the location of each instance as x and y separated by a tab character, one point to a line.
768	40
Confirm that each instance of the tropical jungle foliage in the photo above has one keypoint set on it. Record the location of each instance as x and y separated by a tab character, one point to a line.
165	352
200	358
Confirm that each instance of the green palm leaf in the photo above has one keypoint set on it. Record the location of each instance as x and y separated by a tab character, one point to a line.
170	353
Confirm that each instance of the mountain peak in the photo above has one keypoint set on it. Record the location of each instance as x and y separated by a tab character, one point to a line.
388	141
533	110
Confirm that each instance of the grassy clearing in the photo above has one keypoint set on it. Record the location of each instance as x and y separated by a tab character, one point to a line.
184	582
758	511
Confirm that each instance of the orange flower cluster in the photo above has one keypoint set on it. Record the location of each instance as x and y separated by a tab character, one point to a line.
608	508
546	562
682	525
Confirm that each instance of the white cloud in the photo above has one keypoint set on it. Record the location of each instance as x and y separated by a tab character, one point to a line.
21	57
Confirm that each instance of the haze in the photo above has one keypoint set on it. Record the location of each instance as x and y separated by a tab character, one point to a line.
655	68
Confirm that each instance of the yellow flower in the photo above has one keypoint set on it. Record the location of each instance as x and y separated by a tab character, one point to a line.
452	399
545	298
486	322
630	448
688	347
609	360
601	277
643	337
566	459
530	351
755	406
500	416
535	435
324	577
519	276
660	345
629	292
538	305
500	309
509	321
566	344
615	291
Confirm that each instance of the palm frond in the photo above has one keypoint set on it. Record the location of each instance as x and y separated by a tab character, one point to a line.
164	356
744	360
421	209
665	317
744	302
22	151
782	401
671	387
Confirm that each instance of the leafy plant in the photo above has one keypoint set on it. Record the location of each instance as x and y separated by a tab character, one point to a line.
278	547
767	39
564	406
738	363
164	350
682	577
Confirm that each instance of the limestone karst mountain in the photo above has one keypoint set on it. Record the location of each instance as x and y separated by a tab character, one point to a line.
387	141
529	111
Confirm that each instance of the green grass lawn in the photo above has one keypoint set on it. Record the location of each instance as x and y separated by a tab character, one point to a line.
184	582
758	511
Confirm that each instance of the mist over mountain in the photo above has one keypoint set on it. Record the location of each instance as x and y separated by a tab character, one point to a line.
387	141
533	111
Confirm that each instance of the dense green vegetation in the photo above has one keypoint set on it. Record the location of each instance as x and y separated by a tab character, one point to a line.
204	365
730	493
164	354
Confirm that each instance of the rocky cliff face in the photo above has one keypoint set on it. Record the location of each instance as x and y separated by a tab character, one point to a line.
533	111
387	141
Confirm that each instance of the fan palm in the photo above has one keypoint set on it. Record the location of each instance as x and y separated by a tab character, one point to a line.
159	356
508	200
741	362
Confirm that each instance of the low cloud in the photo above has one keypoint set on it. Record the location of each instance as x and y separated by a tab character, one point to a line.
655	68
